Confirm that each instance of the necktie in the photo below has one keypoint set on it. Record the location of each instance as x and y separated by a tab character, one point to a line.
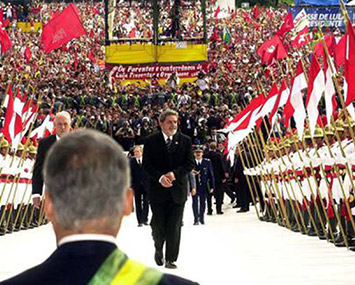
168	143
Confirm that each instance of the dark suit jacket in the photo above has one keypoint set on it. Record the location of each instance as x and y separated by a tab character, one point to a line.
76	263
37	177
138	176
157	161
218	166
205	176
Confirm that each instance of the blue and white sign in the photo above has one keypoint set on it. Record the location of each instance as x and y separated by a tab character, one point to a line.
331	17
318	2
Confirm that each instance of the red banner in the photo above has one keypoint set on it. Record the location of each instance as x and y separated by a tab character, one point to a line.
62	28
142	72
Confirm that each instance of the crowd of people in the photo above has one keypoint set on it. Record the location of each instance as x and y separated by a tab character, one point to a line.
177	20
73	78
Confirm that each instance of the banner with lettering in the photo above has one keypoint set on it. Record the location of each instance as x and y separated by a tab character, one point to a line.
323	16
147	72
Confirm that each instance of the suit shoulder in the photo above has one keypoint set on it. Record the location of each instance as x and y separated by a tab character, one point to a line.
30	276
48	140
152	137
184	137
169	279
206	159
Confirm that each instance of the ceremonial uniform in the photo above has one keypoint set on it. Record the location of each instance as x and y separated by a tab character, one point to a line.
204	182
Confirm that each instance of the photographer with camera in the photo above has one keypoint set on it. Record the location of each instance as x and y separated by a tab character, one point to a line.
125	136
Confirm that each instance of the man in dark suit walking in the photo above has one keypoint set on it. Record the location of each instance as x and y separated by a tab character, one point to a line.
62	123
139	186
219	175
167	158
240	180
87	177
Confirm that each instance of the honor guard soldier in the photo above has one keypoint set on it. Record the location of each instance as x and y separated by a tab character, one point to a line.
205	183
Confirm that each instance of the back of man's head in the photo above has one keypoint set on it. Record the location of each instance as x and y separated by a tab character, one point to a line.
86	176
213	146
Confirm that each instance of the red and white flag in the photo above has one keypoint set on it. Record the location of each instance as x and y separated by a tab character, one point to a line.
218	10
272	49
268	105
62	29
9	115
302	38
44	130
340	50
316	87
349	66
246	126
286	26
329	92
294	106
281	100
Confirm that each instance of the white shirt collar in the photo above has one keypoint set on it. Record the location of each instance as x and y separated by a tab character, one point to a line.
166	137
57	137
87	237
198	161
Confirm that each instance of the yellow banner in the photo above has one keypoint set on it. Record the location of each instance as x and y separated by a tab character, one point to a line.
130	53
149	53
26	27
172	52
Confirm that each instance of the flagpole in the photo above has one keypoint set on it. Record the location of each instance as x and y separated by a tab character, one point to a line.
259	161
348	121
289	179
316	206
247	178
318	193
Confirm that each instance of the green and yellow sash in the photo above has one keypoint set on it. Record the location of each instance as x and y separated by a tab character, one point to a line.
118	269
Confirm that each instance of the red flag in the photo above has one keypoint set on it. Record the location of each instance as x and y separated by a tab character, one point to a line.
349	67
91	57
267	49
268	55
247	17
62	29
132	33
27	54
4	22
286	26
340	52
95	11
91	35
256	11
302	38
5	41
